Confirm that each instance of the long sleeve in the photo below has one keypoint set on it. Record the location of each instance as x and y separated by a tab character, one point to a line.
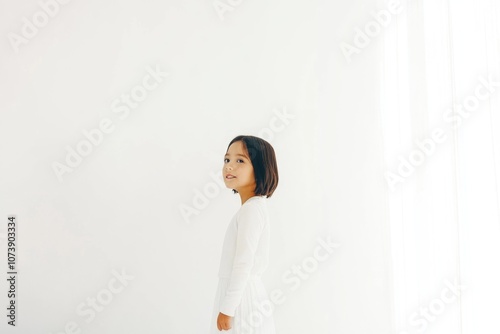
250	224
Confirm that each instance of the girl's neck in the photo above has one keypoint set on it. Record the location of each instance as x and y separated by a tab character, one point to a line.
246	197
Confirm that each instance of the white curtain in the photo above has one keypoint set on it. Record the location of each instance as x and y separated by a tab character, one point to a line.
440	123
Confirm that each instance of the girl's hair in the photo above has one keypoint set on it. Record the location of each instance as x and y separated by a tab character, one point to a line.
264	164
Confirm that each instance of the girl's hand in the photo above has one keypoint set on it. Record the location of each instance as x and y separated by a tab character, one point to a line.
223	322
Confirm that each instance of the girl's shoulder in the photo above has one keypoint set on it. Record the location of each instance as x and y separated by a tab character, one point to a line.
253	203
254	208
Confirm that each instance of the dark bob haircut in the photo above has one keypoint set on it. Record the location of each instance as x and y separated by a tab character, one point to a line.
264	164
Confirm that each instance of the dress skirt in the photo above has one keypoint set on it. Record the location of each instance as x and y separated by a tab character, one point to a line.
254	315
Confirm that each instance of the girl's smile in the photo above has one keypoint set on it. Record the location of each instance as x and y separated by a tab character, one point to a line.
238	171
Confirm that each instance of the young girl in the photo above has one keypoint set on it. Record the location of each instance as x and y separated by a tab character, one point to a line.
241	303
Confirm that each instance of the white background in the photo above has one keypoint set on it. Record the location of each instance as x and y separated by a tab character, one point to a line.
270	69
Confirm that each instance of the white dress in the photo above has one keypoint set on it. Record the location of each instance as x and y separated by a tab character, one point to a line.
245	256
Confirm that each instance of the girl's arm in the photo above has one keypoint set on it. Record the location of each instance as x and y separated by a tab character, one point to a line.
249	223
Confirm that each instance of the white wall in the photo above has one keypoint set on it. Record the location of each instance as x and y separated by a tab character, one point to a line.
119	208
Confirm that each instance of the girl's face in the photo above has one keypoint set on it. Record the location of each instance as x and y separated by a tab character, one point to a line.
237	170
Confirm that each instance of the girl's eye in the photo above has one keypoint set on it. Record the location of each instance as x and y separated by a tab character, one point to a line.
240	160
